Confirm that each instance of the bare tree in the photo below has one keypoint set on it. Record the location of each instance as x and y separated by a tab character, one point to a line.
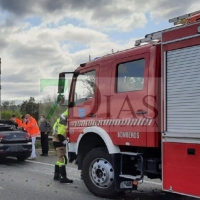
5	105
134	83
47	106
10	105
88	86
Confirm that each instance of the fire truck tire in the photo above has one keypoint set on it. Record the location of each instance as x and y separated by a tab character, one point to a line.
98	173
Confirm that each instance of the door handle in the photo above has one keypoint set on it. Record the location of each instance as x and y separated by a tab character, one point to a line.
141	112
92	115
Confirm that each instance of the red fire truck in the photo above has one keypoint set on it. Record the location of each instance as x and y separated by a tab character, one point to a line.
136	113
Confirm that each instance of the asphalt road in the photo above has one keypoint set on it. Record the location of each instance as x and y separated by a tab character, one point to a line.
34	180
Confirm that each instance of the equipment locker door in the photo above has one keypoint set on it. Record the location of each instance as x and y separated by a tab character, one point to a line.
181	135
129	89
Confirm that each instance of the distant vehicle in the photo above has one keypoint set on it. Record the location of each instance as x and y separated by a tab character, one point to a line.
14	142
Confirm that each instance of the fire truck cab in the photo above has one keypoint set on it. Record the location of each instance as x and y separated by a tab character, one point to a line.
136	113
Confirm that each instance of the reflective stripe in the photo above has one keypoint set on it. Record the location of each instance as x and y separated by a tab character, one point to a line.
57	163
113	122
57	126
60	164
56	129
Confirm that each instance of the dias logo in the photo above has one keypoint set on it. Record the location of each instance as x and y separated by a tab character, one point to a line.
52	82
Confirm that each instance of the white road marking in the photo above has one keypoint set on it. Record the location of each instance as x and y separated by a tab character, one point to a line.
39	163
1	188
47	164
152	182
69	176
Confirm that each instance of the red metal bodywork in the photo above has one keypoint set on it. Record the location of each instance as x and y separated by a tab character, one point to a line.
181	171
108	104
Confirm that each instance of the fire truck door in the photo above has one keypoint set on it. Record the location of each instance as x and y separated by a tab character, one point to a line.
84	112
129	90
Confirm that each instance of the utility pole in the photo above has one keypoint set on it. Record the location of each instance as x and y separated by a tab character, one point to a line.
0	88
89	53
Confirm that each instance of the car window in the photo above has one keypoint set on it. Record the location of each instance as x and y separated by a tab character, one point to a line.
130	76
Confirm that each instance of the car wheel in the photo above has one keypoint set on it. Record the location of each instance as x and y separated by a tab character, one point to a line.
98	173
21	158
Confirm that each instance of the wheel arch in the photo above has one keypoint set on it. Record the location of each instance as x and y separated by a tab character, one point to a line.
93	137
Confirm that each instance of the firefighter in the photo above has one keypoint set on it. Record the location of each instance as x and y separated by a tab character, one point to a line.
76	162
59	142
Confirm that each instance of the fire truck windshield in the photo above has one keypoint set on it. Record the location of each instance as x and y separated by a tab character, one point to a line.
84	88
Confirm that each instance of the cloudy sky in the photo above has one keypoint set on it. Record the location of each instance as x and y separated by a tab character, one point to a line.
39	39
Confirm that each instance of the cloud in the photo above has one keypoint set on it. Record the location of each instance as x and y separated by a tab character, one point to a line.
19	9
104	15
15	93
169	9
97	14
35	53
61	41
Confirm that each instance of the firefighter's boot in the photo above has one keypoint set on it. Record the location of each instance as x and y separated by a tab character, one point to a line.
57	173
63	176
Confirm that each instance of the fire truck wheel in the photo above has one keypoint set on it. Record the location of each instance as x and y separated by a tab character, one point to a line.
98	173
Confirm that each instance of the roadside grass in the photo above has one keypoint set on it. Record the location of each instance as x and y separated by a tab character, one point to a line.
38	145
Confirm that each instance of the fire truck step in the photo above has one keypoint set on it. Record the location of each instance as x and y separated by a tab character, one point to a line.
130	177
131	153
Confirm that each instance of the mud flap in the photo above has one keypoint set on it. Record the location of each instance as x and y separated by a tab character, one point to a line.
121	184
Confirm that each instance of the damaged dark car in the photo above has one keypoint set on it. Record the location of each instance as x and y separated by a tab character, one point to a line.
14	142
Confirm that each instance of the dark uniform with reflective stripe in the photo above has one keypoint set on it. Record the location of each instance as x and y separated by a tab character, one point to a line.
59	129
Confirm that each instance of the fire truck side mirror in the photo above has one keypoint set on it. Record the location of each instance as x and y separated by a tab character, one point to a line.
71	104
61	83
